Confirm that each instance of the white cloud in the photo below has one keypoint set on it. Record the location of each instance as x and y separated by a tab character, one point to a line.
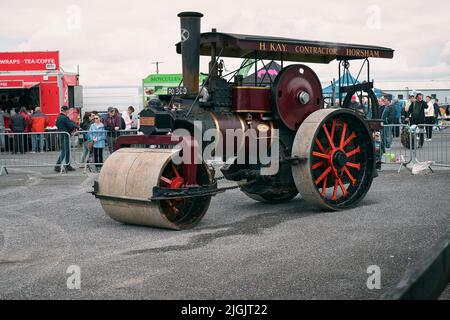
117	41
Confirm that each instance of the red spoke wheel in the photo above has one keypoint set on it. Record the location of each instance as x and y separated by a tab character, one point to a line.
185	212
337	161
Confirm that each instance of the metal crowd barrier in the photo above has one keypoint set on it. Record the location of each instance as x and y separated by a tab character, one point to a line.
85	159
30	149
400	145
436	145
395	146
405	145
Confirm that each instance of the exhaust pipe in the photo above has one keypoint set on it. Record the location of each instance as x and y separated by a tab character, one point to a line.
190	50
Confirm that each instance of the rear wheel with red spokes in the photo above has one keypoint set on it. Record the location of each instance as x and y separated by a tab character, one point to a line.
187	211
337	159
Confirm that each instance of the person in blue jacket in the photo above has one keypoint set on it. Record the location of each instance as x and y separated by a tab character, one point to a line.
398	107
98	136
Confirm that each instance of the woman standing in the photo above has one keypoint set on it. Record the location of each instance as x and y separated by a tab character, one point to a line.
98	136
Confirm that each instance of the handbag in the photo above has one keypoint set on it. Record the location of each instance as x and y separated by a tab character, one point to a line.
405	138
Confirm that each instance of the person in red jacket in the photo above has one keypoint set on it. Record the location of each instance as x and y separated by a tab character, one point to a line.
38	123
26	115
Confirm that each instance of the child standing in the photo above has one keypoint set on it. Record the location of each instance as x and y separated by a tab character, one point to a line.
98	135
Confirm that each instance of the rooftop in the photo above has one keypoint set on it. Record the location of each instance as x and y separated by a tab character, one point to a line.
414	85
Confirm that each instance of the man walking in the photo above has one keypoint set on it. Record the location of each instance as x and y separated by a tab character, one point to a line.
416	115
38	123
64	124
429	118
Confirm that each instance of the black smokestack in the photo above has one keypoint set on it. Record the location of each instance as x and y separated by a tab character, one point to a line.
190	49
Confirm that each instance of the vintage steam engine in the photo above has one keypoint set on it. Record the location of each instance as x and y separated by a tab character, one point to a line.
326	155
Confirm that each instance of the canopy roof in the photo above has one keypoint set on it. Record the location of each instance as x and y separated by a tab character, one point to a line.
346	80
275	48
264	76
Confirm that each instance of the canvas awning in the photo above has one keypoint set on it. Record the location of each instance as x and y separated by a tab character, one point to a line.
276	48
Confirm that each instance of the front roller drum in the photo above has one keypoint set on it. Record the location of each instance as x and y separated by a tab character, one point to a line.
335	159
126	182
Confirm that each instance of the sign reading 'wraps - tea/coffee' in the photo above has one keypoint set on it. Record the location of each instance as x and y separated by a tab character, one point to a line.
29	61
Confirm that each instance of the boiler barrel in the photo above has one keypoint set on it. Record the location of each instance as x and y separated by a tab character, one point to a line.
251	99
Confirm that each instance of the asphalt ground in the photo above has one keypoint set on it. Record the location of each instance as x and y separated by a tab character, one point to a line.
241	250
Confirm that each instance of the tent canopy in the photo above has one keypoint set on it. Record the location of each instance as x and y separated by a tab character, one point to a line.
346	80
264	76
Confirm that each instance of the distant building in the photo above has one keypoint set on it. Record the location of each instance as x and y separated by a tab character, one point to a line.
401	89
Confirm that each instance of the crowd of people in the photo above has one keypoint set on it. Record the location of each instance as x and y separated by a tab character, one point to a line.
414	111
97	133
21	121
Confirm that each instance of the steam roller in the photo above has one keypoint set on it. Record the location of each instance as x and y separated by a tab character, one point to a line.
272	132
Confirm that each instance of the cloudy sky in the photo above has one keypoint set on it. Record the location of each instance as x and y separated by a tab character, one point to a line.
115	42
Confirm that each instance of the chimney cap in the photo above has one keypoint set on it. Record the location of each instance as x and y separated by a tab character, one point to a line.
190	14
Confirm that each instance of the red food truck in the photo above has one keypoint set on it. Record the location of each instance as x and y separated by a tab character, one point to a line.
30	79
